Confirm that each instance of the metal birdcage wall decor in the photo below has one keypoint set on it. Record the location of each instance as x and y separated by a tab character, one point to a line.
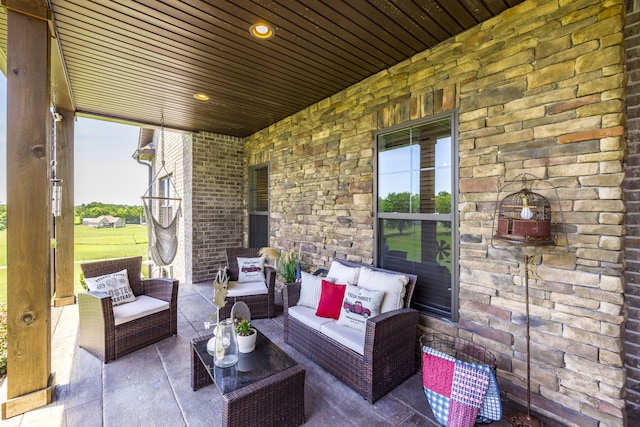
525	218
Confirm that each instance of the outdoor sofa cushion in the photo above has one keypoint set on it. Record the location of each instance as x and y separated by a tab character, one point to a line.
310	290
331	298
393	285
358	305
142	306
349	337
308	316
340	273
240	289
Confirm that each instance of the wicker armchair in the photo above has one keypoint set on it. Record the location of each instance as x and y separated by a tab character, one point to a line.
98	333
261	305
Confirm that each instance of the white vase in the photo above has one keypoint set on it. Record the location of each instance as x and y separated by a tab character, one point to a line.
247	344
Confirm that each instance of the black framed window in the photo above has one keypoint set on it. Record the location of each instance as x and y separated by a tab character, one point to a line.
259	206
166	205
416	220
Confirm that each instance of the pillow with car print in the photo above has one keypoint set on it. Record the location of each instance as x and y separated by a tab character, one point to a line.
251	270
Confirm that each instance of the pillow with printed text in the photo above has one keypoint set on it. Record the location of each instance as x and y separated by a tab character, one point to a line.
359	304
115	284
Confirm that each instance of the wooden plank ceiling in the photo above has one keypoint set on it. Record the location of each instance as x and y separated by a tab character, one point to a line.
142	61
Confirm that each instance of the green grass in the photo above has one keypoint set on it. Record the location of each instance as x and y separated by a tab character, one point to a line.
90	244
410	242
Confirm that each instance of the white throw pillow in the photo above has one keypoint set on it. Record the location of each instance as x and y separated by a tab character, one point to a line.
115	284
358	305
394	286
310	290
251	270
341	274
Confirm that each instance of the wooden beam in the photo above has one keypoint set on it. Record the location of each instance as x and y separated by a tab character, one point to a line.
27	402
28	213
34	8
64	231
62	96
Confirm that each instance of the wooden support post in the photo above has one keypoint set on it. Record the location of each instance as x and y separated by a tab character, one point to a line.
30	382
63	254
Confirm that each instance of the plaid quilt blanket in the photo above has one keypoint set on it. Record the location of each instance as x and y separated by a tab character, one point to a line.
460	393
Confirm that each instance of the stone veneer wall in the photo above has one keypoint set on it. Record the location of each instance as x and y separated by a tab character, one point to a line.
632	195
218	201
539	89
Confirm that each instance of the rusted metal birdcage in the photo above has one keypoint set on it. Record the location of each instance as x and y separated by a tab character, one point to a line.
525	218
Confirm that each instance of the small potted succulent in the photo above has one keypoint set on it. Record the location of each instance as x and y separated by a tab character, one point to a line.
246	336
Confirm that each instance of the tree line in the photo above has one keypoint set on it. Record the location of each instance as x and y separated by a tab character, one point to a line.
410	203
130	214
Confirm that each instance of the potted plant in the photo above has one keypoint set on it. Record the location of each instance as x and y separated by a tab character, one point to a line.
246	336
286	261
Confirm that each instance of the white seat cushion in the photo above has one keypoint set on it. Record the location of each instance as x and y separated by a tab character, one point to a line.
242	289
307	315
142	306
348	337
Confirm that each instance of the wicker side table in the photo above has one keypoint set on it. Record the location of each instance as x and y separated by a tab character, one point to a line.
265	387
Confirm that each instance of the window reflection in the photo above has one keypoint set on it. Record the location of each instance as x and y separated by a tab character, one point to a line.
414	169
415	183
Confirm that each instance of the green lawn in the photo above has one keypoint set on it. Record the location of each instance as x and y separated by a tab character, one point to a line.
90	244
409	240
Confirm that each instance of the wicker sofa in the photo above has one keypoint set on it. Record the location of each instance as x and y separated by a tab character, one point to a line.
388	356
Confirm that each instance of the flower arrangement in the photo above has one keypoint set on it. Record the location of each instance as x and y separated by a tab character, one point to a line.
285	261
243	327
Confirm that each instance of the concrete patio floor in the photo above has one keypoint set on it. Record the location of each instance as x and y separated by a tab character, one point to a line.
152	386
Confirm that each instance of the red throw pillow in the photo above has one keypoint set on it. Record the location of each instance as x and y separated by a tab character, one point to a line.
331	297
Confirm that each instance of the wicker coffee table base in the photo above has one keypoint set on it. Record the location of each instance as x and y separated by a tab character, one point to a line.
277	400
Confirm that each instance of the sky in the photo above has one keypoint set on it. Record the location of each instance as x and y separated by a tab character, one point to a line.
104	169
399	169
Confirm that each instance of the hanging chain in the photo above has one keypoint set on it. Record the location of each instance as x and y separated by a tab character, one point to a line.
162	138
53	137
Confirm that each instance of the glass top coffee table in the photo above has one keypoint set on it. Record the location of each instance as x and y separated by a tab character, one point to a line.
265	387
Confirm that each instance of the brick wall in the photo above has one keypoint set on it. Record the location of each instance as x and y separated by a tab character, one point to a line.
539	89
218	196
632	220
209	177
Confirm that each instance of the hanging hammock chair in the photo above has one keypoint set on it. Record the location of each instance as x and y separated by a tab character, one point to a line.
163	239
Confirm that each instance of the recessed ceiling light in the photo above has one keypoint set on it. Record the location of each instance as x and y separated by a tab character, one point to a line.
201	96
261	31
